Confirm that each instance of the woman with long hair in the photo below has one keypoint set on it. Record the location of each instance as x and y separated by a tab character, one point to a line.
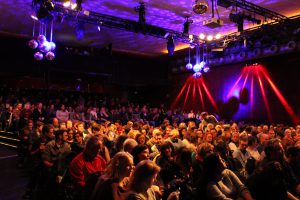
112	185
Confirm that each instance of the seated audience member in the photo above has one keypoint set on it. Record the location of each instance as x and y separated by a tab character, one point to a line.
234	143
129	144
241	155
139	153
86	165
112	185
274	152
141	182
220	182
268	184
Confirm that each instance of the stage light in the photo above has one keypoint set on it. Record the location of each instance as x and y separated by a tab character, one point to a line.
33	44
34	17
218	36
170	45
209	38
73	6
38	56
186	26
67	4
202	36
50	55
189	66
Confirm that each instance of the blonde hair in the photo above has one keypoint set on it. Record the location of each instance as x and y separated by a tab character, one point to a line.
116	165
141	175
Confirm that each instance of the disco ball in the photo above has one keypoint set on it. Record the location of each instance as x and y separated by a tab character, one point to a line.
200	7
45	47
189	66
197	75
50	55
38	56
41	39
206	69
33	44
52	46
197	68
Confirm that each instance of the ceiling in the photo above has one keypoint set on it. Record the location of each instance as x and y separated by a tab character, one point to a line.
15	19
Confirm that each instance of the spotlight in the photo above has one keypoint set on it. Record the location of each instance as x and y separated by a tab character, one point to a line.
210	38
141	9
99	26
67	4
186	26
202	36
218	36
170	45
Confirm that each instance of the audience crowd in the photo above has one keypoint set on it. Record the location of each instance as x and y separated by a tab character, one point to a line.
83	148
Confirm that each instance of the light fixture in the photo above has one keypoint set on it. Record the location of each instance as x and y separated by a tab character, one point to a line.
202	36
44	12
209	38
200	7
170	45
186	26
218	36
197	74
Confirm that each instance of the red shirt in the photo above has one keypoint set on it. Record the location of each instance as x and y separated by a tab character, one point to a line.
80	169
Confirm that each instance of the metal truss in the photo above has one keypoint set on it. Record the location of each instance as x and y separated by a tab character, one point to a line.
95	18
256	9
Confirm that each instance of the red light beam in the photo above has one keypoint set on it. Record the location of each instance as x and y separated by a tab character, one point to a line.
281	98
180	93
209	95
201	96
264	96
235	84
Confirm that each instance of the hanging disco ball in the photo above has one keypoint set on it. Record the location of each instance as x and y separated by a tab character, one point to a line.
206	69
200	7
52	46
50	55
189	66
197	68
197	75
33	44
41	39
45	47
202	64
38	56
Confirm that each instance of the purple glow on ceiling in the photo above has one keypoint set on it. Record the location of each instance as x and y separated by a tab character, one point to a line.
162	13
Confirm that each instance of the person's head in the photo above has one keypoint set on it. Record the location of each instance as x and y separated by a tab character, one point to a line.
55	122
158	139
62	126
48	131
143	176
129	144
91	149
243	142
222	149
235	137
213	166
140	138
203	115
80	127
263	138
293	154
166	149
272	133
61	135
274	150
252	141
78	137
139	153
69	124
208	137
120	166
119	142
204	149
30	124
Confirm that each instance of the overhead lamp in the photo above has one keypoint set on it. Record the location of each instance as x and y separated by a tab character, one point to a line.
218	36
209	38
186	26
141	9
170	45
200	7
202	36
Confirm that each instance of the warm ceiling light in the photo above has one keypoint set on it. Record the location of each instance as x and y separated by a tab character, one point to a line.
209	38
67	4
218	36
202	36
200	7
